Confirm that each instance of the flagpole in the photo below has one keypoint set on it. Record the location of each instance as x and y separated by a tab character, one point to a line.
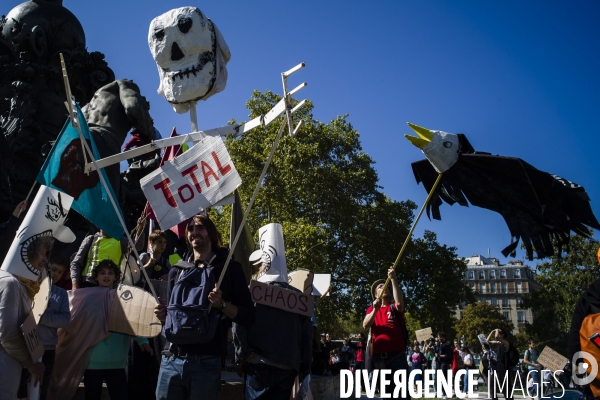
99	172
27	198
256	189
407	240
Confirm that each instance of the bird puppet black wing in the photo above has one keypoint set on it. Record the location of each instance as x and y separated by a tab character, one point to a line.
536	205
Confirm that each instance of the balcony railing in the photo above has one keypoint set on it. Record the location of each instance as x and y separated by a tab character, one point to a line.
507	291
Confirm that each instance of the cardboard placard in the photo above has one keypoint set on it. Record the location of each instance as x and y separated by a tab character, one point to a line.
482	339
41	299
551	360
132	313
302	279
423	334
32	338
195	180
284	299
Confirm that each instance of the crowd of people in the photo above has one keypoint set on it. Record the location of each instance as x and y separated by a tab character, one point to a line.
275	350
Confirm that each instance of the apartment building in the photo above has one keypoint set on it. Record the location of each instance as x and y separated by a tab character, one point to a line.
504	286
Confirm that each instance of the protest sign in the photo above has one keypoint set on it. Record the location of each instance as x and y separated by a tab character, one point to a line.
32	338
423	334
284	299
195	180
132	313
551	360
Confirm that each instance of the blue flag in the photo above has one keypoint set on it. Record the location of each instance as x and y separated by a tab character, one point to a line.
64	170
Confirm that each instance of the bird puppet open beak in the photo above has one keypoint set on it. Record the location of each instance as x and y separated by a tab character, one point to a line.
440	148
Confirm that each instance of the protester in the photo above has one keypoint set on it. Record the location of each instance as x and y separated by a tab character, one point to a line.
109	357
277	347
504	364
57	315
93	249
444	354
385	319
58	262
16	296
489	360
530	359
156	263
469	363
201	362
360	347
418	360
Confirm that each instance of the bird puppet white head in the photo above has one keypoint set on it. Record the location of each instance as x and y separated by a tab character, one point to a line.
271	254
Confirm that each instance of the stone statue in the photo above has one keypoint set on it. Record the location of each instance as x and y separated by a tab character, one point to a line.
32	93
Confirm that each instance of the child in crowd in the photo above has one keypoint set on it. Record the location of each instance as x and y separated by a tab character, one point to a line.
57	315
156	263
109	357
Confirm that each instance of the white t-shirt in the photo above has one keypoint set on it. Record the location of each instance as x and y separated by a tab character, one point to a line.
468	360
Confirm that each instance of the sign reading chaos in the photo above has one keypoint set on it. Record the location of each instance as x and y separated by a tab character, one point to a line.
195	180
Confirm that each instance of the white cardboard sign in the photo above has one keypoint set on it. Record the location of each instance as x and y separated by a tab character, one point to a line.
195	180
32	338
284	299
424	334
552	360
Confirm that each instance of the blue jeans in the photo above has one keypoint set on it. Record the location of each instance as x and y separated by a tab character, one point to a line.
535	376
194	377
466	381
269	382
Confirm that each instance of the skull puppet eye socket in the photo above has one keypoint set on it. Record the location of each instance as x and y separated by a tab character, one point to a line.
184	24
159	35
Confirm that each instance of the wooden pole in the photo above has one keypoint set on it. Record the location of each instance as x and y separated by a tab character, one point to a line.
435	185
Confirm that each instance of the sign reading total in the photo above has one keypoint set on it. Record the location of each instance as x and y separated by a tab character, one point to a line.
281	298
195	180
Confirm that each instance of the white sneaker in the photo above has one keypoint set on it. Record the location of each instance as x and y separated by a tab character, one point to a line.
444	397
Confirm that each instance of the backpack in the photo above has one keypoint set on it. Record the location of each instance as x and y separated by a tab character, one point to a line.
188	320
589	327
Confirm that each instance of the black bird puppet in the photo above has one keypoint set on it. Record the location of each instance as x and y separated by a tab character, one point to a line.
538	207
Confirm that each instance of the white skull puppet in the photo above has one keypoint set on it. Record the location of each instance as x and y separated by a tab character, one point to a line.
271	254
191	56
45	217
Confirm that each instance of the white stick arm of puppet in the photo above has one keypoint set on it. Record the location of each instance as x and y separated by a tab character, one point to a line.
262	120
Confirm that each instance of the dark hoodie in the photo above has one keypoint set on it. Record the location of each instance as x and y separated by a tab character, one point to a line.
589	303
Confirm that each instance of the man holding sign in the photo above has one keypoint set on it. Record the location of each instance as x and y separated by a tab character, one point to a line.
201	361
277	347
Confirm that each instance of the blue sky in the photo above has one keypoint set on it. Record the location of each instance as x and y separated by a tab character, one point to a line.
518	78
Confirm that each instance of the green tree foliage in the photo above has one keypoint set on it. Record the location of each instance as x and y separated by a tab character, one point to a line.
323	189
479	318
563	280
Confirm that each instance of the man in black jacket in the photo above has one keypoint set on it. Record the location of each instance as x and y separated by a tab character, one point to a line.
444	355
193	371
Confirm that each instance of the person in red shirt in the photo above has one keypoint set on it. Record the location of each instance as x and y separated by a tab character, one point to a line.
385	319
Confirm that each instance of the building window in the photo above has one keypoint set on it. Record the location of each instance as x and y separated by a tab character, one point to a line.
482	288
492	274
481	274
518	287
506	315
470	275
520	317
494	301
519	302
493	287
472	287
517	273
505	302
503	274
504	287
